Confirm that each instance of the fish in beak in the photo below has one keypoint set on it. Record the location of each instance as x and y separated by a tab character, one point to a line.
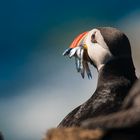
78	49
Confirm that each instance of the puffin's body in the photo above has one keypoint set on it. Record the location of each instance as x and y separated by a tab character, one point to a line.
110	53
123	124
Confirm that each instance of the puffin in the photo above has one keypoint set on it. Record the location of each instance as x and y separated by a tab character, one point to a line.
109	51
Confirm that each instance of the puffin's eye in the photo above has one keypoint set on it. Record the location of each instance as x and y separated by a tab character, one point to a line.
93	40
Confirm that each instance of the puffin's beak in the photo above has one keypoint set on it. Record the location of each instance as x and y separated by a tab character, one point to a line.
76	44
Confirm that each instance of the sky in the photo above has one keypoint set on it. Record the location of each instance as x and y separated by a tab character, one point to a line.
38	86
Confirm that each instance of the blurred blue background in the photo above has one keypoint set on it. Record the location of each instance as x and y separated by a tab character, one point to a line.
38	86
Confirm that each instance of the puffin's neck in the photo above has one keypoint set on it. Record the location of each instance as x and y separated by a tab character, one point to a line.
116	69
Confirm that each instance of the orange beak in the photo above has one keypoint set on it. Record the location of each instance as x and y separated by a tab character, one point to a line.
78	40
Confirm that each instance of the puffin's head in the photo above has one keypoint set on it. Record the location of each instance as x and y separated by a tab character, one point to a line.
99	46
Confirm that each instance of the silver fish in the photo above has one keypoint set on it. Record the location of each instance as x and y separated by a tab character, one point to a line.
81	64
77	63
72	52
82	69
87	70
67	51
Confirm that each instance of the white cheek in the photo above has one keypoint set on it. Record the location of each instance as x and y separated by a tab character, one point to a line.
98	54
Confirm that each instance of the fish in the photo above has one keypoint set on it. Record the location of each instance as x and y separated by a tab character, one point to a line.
82	66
